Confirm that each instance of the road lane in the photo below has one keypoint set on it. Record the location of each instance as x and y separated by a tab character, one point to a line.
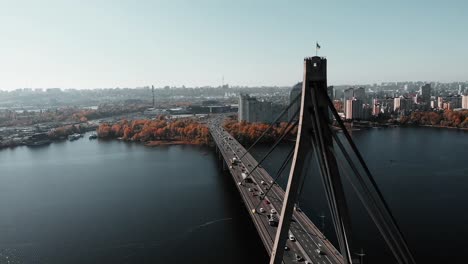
308	237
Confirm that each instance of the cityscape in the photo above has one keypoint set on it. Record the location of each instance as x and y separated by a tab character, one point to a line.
233	132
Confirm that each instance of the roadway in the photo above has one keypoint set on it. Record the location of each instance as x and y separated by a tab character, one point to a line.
308	244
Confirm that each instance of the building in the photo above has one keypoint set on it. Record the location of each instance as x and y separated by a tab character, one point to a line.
295	92
440	102
360	93
376	107
454	101
348	95
402	104
426	94
465	101
253	110
354	109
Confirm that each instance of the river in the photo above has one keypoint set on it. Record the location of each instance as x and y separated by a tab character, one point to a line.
423	175
115	202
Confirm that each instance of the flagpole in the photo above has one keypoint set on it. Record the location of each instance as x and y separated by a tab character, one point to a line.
316	50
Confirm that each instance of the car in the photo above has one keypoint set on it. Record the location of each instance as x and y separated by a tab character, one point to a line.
249	165
261	210
263	183
273	220
273	211
299	257
286	248
267	202
320	252
250	190
291	237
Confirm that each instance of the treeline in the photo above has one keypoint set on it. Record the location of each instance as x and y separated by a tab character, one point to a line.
160	129
66	114
249	132
448	118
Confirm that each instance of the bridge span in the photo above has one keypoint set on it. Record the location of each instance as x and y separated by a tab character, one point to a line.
306	244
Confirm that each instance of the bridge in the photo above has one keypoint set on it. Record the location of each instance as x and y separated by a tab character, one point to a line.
288	235
308	243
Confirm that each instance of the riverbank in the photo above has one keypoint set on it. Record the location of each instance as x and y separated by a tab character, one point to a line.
157	143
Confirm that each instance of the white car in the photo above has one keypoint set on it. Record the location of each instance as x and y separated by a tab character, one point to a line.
320	252
262	182
291	237
261	210
273	211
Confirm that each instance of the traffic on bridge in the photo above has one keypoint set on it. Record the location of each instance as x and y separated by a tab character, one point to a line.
305	241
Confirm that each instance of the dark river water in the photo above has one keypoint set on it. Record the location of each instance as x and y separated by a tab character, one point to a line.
115	202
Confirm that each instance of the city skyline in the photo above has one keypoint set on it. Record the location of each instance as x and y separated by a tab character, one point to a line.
123	44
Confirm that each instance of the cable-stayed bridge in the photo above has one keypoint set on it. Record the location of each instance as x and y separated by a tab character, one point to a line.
288	235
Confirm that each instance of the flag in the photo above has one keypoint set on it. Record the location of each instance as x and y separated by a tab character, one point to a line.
317	45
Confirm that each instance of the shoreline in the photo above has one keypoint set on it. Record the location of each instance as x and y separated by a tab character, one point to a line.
157	143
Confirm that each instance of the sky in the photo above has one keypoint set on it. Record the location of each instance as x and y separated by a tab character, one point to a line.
99	44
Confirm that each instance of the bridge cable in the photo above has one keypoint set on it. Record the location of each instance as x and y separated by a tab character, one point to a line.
378	218
285	131
406	254
279	173
324	167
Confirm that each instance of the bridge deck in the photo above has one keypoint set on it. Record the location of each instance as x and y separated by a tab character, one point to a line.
309	242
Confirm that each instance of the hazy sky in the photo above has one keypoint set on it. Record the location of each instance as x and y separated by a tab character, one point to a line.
100	43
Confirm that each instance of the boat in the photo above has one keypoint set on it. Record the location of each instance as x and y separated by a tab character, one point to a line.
93	136
74	136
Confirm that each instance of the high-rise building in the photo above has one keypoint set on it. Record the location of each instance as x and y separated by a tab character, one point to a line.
295	92
375	107
440	102
426	94
354	109
360	93
402	104
252	110
455	101
465	101
386	105
348	95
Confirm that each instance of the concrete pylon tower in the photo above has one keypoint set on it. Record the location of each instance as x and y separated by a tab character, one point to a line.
314	137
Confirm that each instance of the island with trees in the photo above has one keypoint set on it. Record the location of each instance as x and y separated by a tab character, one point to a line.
158	131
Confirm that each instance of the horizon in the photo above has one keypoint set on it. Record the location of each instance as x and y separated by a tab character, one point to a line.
126	44
231	86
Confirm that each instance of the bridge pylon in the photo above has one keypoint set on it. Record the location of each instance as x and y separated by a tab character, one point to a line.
314	138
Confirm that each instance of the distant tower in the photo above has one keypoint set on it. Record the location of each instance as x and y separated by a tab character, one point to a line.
152	91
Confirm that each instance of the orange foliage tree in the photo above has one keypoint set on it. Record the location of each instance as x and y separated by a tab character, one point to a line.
186	130
249	132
